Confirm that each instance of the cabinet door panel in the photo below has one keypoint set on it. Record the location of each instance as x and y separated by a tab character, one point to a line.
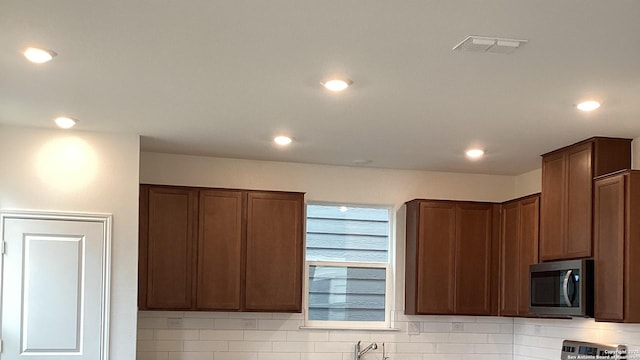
528	248
552	228
579	201
609	248
219	250
473	259
170	248
510	279
274	252
436	251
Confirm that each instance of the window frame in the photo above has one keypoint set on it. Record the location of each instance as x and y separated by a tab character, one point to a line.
389	267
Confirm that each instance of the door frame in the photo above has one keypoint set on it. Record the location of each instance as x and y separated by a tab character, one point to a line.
106	220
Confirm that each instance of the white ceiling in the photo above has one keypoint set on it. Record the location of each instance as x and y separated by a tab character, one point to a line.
221	78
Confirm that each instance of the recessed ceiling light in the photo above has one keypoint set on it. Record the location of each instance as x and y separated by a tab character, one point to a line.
337	85
282	140
475	153
39	56
588	105
343	209
64	122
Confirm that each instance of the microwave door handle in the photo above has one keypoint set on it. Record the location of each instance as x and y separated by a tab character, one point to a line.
565	287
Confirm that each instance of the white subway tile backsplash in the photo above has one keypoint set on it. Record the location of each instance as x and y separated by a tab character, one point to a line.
442	357
468	338
321	356
279	324
159	345
293	346
191	356
150	355
265	336
256	346
197	323
235	356
207	346
349	336
308	335
329	347
177	334
152	323
415	348
455	349
278	356
145	334
221	335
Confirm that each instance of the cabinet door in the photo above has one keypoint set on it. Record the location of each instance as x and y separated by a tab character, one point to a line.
609	228
552	221
435	260
473	259
170	248
274	252
579	201
219	250
509	259
528	248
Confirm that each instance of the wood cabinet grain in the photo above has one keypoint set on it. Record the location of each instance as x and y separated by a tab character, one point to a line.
519	249
451	258
170	229
220	249
274	252
566	217
617	247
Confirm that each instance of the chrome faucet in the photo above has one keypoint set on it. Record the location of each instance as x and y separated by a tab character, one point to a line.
359	353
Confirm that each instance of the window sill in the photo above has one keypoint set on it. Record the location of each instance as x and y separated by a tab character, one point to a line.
347	328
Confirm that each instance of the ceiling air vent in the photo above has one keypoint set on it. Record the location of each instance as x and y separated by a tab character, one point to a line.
489	44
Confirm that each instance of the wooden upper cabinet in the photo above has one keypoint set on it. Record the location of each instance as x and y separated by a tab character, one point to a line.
474	245
450	258
219	250
617	247
519	249
167	247
274	251
567	194
430	262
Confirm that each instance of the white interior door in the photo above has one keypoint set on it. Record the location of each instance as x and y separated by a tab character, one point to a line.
55	286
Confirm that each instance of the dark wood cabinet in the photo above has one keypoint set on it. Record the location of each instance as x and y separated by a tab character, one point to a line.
566	215
451	258
274	252
220	249
617	247
518	249
167	226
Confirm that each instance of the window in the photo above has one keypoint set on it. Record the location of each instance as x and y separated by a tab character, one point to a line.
348	274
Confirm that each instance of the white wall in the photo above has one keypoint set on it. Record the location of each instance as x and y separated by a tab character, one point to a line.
323	183
57	170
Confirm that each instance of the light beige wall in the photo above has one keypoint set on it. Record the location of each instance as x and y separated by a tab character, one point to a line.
55	170
323	183
528	183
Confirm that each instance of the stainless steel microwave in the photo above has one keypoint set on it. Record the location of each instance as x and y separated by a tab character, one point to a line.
562	288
